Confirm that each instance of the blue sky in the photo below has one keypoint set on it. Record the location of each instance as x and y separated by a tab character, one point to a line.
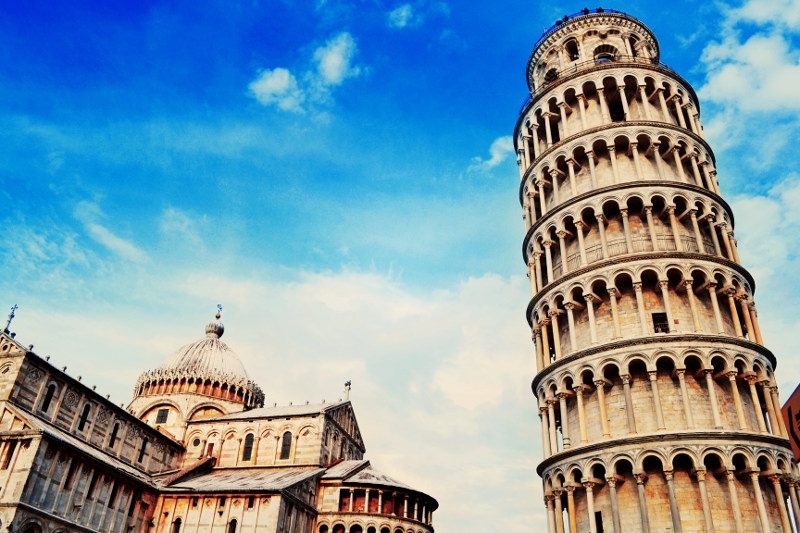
337	175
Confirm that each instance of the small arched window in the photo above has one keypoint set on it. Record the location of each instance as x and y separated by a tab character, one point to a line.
572	50
232	526
176	526
286	445
113	438
84	417
247	452
48	397
551	75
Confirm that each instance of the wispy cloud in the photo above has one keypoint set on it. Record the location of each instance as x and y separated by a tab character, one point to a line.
89	214
401	16
332	63
414	15
499	151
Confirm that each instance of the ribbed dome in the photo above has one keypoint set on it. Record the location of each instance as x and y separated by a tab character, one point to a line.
206	366
207	356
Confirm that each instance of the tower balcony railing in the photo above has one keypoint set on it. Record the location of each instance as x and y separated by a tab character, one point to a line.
585	11
581	66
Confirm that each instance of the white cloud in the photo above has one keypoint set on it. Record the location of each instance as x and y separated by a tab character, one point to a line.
401	16
335	59
177	224
332	63
785	13
278	87
88	213
499	151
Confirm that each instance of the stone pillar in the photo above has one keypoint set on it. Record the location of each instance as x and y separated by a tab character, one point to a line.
624	100
673	503
546	340
612	491
687	408
676	234
751	381
659	162
637	289
612	297
350	502
737	400
551	515
592	175
543	416
573	339
549	259
640	480
737	511
664	285
701	482
636	161
573	183
612	154
664	110
532	276
723	226
795	503
582	109
756	328
556	334
563	113
776	401
537	260
590	309
693	305
679	164
781	501
626	387
737	326
548	133
526	151
535	135
601	227
603	106
589	485
540	183
645	104
562	404
773	417
678	111
712	398
540	362
653	375
746	314
573	526
559	511
626	229
562	248
712	293
554	182
581	413
601	399
651	227
698	236
579	225
551	414
762	509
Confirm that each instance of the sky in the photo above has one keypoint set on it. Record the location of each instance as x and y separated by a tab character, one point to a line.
339	176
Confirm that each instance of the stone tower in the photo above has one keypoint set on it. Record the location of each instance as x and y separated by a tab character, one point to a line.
656	394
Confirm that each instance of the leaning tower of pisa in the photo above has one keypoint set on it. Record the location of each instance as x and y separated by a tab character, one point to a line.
656	394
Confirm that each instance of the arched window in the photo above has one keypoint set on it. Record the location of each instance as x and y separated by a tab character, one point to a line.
176	526
84	417
604	53
572	50
286	445
31	528
142	450
113	438
232	526
551	75
48	397
247	452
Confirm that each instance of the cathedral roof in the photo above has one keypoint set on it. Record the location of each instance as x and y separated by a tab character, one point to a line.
281	411
362	472
247	479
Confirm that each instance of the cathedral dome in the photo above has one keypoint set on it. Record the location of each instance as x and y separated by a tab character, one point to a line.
207	367
208	356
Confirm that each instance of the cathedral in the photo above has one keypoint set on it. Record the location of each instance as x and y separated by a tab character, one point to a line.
195	451
656	392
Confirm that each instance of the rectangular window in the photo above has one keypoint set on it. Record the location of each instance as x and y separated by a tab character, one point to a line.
194	501
161	416
598	521
251	501
660	323
12	446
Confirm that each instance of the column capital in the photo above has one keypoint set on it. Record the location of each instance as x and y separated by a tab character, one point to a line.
612	291
641	478
569	306
612	481
637	286
579	389
671	208
569	488
589	485
611	148
562	233
732	375
543	411
680	372
548	243
663	284
553	313
652	374
580	224
668	474
775	478
601	218
626	379
589	298
700	473
600	383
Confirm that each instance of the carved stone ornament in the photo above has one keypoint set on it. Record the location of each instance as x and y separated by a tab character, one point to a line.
71	399
102	416
34	375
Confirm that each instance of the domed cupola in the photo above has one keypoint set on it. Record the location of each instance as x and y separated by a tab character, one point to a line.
206	367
